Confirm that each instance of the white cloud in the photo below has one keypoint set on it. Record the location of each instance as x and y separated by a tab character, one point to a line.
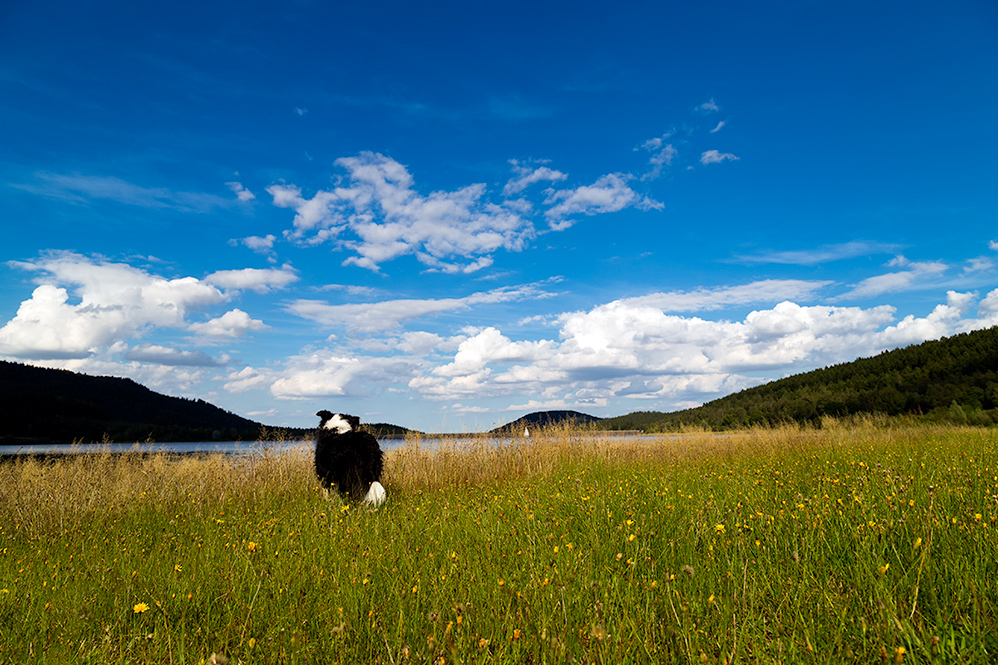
823	254
114	301
610	193
259	280
769	290
635	349
162	355
987	310
993	245
259	244
708	106
234	323
663	155
241	192
81	189
331	373
388	218
915	273
248	378
389	314
718	128
379	216
526	176
716	157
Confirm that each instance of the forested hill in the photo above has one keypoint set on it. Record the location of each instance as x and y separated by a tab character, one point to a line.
954	378
61	406
540	419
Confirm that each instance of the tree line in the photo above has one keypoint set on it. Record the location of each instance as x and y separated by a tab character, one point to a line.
953	379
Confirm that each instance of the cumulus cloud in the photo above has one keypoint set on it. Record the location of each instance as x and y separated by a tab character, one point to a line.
259	244
259	280
234	323
332	373
241	192
526	176
387	218
109	302
716	157
610	193
634	348
378	215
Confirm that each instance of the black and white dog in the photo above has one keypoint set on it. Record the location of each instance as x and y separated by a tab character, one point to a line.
348	459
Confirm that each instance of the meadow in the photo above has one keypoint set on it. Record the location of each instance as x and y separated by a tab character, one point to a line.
856	542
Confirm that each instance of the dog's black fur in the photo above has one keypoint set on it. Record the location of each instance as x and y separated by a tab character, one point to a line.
349	461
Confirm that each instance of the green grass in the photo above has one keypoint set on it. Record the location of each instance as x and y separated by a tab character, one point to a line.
847	544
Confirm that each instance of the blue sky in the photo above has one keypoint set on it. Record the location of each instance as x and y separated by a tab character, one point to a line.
446	215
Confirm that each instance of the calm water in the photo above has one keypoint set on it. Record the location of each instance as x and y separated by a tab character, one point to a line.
244	448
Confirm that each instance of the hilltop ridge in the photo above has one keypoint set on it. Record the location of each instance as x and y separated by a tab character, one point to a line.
61	406
952	379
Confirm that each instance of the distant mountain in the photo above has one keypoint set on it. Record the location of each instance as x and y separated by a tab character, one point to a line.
61	406
546	419
953	379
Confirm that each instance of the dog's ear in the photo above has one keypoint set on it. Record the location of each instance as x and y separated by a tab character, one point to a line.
354	422
323	416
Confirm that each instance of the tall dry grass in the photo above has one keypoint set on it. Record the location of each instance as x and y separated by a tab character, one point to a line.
861	541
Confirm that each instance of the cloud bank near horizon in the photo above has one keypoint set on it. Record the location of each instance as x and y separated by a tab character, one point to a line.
93	314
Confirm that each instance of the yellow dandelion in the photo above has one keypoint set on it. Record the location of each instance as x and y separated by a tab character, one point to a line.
177	568
631	538
140	608
718	528
251	546
517	633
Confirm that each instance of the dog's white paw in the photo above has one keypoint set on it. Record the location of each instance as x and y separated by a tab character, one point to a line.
376	495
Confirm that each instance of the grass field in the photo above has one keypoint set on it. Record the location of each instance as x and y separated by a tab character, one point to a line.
863	543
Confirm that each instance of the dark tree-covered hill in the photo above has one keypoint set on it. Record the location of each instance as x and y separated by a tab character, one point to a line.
546	419
60	406
954	378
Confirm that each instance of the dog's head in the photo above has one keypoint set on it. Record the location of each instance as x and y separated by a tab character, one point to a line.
338	422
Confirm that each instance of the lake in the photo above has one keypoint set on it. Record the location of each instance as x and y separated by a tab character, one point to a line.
241	448
245	448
